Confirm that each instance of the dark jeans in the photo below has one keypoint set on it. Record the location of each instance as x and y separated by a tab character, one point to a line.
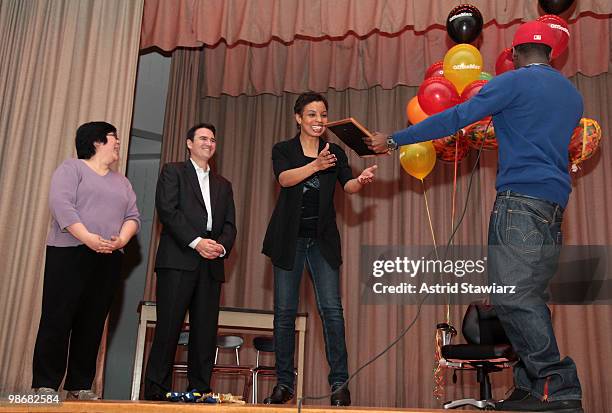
78	290
524	246
286	297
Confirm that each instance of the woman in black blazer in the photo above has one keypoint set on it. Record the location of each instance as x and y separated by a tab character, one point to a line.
302	230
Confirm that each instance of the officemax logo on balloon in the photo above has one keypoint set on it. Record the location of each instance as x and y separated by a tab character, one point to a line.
463	66
559	27
456	16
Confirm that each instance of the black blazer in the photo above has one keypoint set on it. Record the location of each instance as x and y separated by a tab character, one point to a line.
182	212
281	236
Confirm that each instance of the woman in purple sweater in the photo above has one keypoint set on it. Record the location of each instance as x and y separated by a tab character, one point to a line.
93	216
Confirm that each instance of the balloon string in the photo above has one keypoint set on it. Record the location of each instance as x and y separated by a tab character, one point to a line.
438	388
438	376
455	184
454	202
433	236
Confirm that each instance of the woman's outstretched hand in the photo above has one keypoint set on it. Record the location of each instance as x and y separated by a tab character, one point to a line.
367	175
325	160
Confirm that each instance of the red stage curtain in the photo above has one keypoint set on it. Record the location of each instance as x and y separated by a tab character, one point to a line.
254	47
376	60
192	23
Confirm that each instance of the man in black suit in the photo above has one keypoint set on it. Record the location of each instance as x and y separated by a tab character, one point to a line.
196	208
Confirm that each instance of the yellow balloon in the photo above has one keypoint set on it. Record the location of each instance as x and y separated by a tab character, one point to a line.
462	65
418	159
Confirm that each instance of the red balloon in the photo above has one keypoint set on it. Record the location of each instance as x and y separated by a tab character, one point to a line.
504	62
437	94
435	70
472	89
562	34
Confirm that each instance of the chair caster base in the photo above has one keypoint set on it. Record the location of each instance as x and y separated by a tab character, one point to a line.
479	404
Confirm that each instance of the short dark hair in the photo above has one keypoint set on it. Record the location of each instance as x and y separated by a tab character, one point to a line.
534	49
306	98
89	133
191	132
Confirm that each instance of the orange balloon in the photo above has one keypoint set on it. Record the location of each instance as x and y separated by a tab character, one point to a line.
418	159
462	65
414	112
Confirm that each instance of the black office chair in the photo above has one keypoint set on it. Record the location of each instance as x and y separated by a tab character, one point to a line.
263	344
487	350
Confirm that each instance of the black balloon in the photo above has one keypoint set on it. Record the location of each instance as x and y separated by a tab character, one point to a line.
464	23
555	6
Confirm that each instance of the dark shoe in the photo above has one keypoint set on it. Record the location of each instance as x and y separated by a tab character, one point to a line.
280	395
340	395
517	394
530	403
156	397
154	392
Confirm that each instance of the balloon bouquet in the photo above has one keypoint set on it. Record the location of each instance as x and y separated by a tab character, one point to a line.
459	76
447	83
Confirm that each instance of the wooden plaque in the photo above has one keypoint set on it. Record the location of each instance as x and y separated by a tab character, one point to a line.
351	133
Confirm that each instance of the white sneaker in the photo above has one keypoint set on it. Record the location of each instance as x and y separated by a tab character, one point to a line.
82	395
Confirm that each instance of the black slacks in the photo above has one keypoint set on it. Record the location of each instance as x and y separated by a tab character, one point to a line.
78	289
178	291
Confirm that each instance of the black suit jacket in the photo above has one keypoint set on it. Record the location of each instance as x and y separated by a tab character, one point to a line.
182	212
282	234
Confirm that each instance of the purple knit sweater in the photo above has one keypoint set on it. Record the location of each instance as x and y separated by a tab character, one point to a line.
101	203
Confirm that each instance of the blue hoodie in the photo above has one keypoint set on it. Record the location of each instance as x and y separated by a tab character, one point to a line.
535	110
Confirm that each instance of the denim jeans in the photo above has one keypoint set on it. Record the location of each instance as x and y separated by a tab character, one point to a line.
523	251
286	298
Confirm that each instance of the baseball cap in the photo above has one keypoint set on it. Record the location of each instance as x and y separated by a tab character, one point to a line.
534	32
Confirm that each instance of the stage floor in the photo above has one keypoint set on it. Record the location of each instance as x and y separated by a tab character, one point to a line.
107	406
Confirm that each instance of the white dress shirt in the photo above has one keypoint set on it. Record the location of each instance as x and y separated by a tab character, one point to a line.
204	181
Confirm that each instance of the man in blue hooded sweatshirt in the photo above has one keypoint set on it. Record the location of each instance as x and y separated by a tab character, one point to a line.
535	110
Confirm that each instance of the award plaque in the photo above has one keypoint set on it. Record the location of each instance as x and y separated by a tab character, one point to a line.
351	133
